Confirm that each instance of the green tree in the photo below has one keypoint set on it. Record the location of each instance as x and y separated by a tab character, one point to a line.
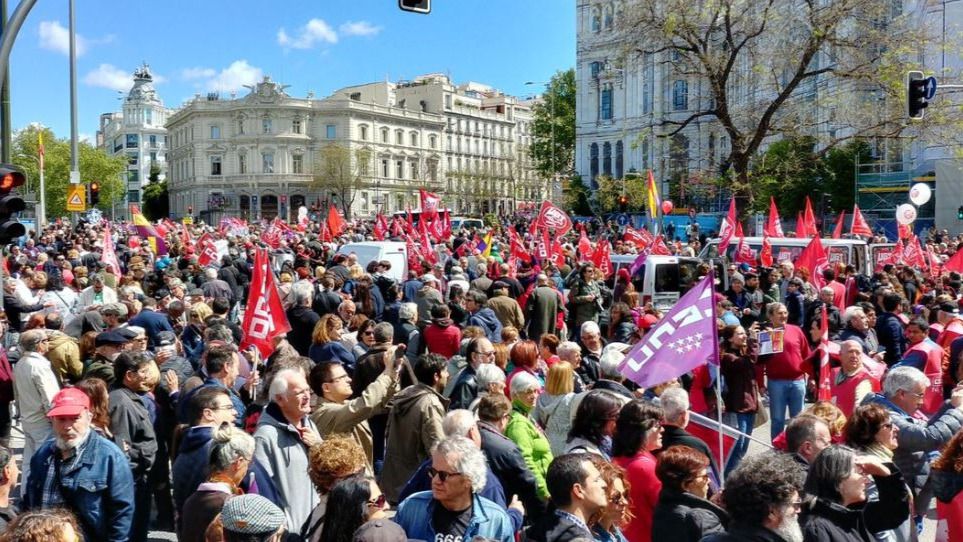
95	165
340	174
155	197
555	114
576	197
840	166
789	171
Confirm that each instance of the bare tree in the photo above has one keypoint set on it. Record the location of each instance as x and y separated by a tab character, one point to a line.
339	173
832	69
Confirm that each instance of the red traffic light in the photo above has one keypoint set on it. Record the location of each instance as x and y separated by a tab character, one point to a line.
11	177
94	186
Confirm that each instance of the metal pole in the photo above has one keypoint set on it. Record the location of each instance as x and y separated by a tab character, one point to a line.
10	34
4	96
74	154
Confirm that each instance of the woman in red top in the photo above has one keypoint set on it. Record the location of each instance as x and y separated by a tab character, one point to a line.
638	431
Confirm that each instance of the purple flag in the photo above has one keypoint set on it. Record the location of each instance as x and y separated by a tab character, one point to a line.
681	341
639	261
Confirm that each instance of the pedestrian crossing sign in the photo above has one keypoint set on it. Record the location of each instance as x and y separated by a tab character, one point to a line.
76	198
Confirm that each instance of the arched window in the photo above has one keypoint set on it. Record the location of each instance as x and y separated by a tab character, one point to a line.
680	95
596	19
594	161
607	158
618	160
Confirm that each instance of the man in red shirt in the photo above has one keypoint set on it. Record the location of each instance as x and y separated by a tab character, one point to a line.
786	371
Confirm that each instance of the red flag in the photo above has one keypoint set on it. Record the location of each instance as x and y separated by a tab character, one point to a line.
913	253
551	217
429	204
633	236
335	222
904	231
426	248
825	391
800	226
765	255
774	224
602	257
955	263
739	233
728	227
838	230
810	220
414	255
108	256
446	221
396	229
264	318
813	259
409	222
518	250
859	225
208	251
380	227
658	247
744	253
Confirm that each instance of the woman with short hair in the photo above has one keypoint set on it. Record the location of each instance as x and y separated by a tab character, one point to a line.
683	512
535	448
837	508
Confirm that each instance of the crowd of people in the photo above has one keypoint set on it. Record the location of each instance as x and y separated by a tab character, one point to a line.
478	397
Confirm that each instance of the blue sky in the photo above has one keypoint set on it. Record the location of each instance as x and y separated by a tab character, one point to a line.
318	45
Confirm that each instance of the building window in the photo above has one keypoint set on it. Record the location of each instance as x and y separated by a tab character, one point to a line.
267	162
648	82
399	169
609	16
364	168
447	101
680	95
132	141
433	170
596	19
399	138
413	137
384	168
607	158
330	131
595	68
242	163
297	163
432	142
296	126
215	165
215	132
266	125
618	160
413	170
384	135
400	202
153	157
363	133
605	104
240	126
364	202
148	116
153	141
132	159
594	161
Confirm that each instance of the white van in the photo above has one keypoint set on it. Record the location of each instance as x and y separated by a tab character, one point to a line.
393	251
662	279
847	251
461	222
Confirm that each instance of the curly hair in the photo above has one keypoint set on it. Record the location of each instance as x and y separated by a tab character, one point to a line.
636	419
829	413
678	465
337	457
40	526
951	459
861	428
610	472
760	484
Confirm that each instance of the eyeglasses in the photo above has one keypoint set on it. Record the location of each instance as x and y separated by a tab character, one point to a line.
442	475
619	499
796	504
345	376
914	394
380	502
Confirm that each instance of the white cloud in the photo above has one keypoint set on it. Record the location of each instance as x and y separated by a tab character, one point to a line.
56	37
316	31
110	76
82	137
198	73
359	28
235	76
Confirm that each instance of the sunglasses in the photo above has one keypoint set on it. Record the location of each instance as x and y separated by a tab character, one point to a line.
442	475
379	503
619	499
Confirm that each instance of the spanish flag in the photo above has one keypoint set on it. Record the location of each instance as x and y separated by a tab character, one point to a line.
652	196
147	231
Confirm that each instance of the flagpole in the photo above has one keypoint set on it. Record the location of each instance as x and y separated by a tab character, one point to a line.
718	386
732	430
42	215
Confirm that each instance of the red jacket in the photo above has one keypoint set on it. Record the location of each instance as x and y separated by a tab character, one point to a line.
443	340
640	472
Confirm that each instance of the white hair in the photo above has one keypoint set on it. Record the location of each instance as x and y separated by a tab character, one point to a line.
408	312
850	312
210	273
229	443
302	292
567	349
465	457
280	382
522	382
458	423
590	327
675	403
903	378
487	374
610	360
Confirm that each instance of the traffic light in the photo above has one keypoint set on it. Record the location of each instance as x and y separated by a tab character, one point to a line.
11	203
959	213
190	210
917	94
623	202
416	6
94	193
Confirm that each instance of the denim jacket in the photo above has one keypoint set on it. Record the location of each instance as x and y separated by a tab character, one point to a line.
99	488
487	519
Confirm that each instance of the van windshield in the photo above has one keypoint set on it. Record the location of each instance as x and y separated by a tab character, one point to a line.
671	277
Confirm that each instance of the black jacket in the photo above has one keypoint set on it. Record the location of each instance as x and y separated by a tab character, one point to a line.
133	431
302	320
683	517
552	528
826	521
506	462
745	533
673	436
15	309
465	389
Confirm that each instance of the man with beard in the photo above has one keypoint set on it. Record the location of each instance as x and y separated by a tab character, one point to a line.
132	425
82	471
763	501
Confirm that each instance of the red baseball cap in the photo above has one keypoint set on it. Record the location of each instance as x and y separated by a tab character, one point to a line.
69	402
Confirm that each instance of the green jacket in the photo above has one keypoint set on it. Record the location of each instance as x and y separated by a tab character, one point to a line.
535	448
